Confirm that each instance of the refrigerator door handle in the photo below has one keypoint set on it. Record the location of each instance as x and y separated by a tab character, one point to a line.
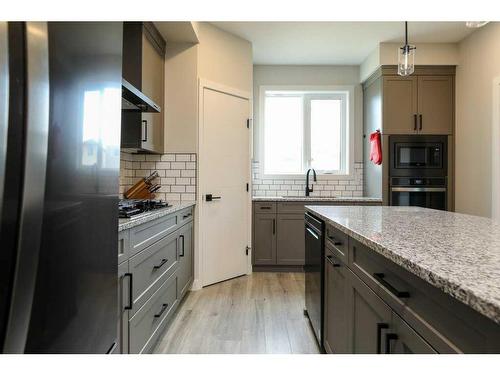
4	103
33	190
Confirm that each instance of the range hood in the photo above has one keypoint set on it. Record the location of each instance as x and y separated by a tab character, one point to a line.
134	100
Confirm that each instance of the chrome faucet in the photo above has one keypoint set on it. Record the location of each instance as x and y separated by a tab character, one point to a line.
309	190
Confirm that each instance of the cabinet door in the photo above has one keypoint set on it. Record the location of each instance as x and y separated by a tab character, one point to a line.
404	340
399	105
370	318
336	308
153	85
123	302
185	271
435	104
264	239
290	240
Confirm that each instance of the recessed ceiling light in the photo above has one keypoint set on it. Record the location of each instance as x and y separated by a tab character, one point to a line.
475	24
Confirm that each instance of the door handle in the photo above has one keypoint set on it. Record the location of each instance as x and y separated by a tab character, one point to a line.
415	122
163	261
130	297
163	308
380	327
308	229
420	128
380	278
145	122
388	338
182	236
210	197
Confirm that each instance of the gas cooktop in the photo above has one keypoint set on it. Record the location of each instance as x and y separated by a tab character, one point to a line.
128	208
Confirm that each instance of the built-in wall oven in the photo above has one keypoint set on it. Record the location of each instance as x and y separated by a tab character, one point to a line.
418	171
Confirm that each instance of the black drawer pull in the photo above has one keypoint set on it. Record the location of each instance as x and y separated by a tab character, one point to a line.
163	261
130	296
330	259
163	309
388	338
380	327
182	236
380	278
335	242
185	216
265	208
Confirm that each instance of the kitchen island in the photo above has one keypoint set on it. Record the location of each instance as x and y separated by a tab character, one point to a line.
434	275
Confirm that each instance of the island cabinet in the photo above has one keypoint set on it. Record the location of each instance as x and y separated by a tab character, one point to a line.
372	305
155	272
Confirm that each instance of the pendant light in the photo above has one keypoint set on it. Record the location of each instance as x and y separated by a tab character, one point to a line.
406	57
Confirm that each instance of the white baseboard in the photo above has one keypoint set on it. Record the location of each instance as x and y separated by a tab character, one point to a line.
196	285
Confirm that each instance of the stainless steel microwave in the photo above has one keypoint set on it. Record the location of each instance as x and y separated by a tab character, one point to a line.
418	155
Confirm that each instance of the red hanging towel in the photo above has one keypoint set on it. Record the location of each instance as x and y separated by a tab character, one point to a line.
376	147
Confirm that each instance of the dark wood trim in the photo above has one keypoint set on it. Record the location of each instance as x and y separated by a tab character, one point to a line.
421	70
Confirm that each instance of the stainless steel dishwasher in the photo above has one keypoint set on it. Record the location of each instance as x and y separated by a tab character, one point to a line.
314	274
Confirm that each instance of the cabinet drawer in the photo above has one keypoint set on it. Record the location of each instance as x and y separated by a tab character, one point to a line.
445	323
291	208
148	323
123	246
338	242
150	267
150	232
185	216
264	207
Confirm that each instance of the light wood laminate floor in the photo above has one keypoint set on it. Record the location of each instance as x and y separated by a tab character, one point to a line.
260	313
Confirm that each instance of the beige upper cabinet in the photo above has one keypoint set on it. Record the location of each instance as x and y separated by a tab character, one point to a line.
421	104
153	85
400	105
435	104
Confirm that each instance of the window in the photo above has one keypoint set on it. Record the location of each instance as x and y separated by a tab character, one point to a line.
304	129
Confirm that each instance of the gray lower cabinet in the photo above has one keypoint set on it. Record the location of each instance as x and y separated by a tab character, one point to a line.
264	239
185	270
155	273
336	333
290	245
371	305
124	303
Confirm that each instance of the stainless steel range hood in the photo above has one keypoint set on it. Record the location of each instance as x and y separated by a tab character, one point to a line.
134	100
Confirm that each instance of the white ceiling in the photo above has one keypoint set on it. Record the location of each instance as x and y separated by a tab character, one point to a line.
335	43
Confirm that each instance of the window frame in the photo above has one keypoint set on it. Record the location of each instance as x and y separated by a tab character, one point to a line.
345	93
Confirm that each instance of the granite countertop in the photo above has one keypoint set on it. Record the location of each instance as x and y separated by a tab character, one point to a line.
318	199
124	224
458	254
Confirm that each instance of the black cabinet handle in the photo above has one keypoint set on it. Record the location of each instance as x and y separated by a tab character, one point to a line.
415	122
186	216
130	297
163	308
380	278
265	208
210	197
163	261
388	338
335	242
182	236
145	122
420	128
274	226
380	327
330	259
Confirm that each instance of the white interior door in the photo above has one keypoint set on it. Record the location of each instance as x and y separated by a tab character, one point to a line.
495	151
224	173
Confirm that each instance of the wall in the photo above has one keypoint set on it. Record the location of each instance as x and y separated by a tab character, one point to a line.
479	67
316	75
224	58
177	174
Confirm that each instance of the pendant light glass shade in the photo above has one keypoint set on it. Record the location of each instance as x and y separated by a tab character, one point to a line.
406	60
406	57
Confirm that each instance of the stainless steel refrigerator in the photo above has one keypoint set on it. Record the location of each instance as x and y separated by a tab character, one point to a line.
60	108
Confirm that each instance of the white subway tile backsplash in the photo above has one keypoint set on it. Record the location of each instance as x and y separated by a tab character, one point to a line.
331	187
177	174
